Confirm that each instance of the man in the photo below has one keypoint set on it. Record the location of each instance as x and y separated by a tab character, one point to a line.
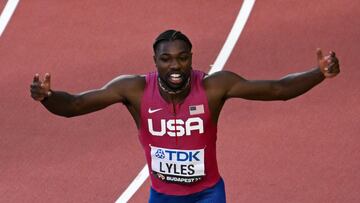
176	110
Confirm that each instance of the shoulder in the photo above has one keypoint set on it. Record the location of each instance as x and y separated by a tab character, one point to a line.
128	81
126	85
221	79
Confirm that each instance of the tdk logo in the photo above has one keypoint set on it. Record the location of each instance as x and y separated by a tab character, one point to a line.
177	127
182	156
160	154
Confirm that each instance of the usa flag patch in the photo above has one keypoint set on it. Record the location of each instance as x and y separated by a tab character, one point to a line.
196	109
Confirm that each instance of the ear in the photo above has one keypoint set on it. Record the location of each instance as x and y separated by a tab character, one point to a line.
154	58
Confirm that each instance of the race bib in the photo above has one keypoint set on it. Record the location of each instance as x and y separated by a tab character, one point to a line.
177	166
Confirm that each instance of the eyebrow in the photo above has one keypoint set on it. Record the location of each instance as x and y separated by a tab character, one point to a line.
167	54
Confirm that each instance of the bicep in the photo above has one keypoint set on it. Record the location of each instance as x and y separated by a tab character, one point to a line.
113	92
93	100
236	86
255	90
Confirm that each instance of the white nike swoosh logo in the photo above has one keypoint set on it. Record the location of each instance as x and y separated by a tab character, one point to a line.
154	110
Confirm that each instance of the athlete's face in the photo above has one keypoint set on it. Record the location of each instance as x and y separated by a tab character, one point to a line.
173	61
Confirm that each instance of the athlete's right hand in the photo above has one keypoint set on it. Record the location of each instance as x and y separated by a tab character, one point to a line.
40	89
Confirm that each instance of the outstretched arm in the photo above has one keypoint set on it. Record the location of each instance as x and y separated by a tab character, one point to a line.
285	88
69	105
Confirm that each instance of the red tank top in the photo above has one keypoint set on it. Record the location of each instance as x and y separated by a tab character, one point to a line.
179	140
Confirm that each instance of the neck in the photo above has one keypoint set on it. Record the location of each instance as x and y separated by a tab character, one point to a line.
174	96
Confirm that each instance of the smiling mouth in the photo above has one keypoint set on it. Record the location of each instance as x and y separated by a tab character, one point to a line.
176	78
175	83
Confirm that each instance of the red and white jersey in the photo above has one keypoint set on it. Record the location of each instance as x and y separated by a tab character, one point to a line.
179	140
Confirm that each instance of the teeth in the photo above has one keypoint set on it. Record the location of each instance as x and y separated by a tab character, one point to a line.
175	75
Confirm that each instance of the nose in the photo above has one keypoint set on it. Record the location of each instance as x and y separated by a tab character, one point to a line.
174	64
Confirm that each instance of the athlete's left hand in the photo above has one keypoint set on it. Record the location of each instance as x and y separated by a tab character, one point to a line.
329	65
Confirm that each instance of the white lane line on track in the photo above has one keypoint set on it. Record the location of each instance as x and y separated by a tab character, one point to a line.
220	61
7	13
134	186
233	36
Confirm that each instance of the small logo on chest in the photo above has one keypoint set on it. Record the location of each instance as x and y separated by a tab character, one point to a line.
154	110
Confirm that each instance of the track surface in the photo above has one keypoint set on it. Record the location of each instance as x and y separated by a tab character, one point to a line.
303	150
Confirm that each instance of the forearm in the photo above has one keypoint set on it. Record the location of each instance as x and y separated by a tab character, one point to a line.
61	103
296	84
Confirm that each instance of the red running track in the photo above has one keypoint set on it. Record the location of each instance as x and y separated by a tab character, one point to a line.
303	150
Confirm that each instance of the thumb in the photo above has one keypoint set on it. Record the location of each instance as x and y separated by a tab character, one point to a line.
319	54
47	79
47	83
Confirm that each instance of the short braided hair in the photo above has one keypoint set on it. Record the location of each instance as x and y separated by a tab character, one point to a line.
171	35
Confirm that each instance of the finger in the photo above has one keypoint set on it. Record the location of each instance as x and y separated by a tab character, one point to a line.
35	86
37	97
319	54
39	87
332	53
39	93
47	78
334	59
35	89
335	67
330	68
36	78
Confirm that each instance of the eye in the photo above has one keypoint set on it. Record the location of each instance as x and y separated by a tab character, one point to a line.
184	58
164	59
